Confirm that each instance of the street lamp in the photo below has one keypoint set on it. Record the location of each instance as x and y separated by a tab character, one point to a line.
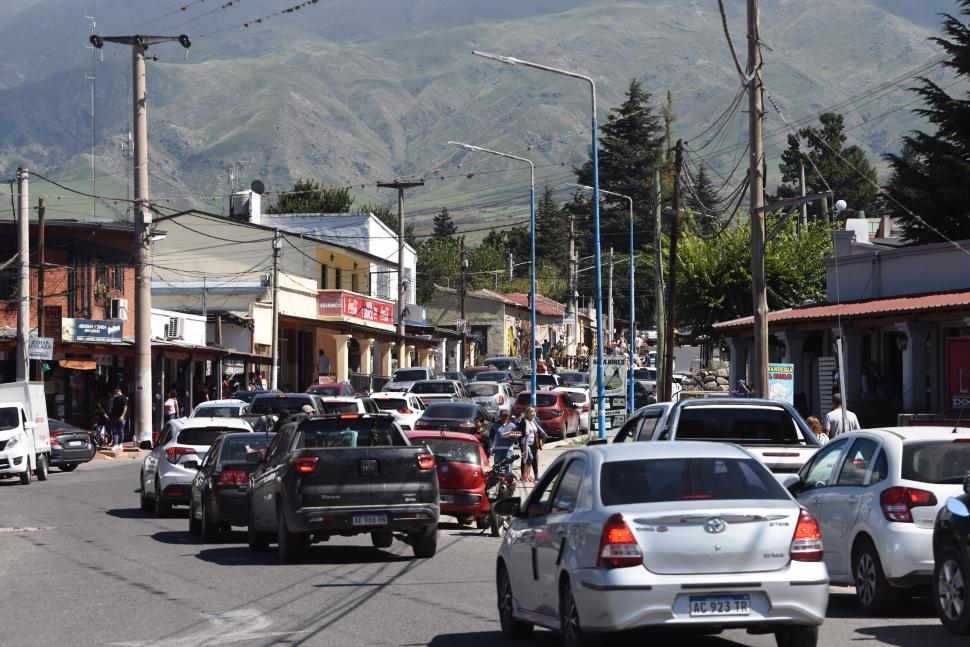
600	387
629	403
532	245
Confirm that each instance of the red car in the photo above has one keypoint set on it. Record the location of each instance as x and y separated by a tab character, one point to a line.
557	413
332	389
461	463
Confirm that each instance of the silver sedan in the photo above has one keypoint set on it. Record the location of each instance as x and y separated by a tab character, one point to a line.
690	534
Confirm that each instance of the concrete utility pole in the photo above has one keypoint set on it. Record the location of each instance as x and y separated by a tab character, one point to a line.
658	264
23	284
401	282
142	398
609	298
573	329
801	192
275	369
666	392
461	306
757	207
42	269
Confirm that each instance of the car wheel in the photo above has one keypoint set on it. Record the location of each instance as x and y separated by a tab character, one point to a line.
67	467
950	581
424	542
162	508
210	525
512	629
872	590
493	524
195	526
569	626
797	636
146	503
482	523
26	474
41	468
381	539
462	519
290	545
258	541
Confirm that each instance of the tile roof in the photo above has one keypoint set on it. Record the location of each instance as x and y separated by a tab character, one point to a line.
544	305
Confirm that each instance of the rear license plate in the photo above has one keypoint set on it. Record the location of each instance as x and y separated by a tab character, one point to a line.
75	443
370	520
720	605
447	498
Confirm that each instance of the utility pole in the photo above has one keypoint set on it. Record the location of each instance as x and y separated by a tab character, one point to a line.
401	282
205	290
801	192
23	284
41	237
510	265
757	207
667	387
275	370
462	289
573	328
142	401
609	297
658	260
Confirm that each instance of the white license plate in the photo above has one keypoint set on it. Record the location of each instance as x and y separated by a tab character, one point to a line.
447	498
720	605
75	443
370	520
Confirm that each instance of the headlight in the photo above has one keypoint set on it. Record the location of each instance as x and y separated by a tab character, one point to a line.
13	442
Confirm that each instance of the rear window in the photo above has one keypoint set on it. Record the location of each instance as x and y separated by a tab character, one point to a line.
546	380
409	376
450	410
504	364
645	374
433	387
482	390
341	407
9	418
357	432
202	436
576	398
757	426
574	378
216	412
235	450
279	406
542	399
469	373
453	451
391	404
492	376
686	479
936	462
326	391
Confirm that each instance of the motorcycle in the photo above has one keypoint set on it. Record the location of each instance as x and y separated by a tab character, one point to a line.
500	483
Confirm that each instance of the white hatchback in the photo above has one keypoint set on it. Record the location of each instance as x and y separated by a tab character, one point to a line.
876	494
229	408
405	407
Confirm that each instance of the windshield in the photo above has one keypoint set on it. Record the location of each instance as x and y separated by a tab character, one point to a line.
504	364
575	397
470	373
409	376
936	461
542	399
447	450
9	418
574	378
216	412
235	450
391	404
341	407
279	406
347	433
326	391
492	376
649	374
433	387
482	390
449	410
544	379
203	436
687	479
750	425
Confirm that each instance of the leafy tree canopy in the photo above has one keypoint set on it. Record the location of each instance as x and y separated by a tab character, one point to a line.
309	196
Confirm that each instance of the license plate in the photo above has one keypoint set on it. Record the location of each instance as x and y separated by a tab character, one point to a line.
370	520
720	605
447	498
75	443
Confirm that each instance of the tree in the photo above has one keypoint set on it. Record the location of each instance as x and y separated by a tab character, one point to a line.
551	243
309	196
444	226
703	204
840	166
439	263
389	218
929	176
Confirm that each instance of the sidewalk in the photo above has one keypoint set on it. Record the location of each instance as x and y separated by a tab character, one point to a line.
550	452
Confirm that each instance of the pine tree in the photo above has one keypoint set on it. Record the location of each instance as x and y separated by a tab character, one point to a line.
703	202
444	226
551	243
930	173
309	196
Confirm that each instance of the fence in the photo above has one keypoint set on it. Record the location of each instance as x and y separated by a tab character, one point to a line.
363	382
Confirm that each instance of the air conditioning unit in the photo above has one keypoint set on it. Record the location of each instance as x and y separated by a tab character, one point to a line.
119	309
176	328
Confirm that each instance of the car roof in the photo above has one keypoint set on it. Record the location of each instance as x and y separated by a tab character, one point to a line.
340	398
200	422
223	402
555	391
731	402
449	403
683	449
451	435
489	382
438	381
389	394
918	432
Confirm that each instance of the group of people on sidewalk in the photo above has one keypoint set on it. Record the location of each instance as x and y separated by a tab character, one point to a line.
524	433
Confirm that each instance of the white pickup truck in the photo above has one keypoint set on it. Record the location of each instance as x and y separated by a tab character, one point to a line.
25	443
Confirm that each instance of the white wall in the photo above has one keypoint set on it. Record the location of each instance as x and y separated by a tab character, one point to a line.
193	332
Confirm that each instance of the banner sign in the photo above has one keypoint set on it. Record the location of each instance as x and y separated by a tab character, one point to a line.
346	306
41	348
781	383
91	329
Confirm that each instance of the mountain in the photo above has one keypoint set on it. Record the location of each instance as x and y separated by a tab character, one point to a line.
357	91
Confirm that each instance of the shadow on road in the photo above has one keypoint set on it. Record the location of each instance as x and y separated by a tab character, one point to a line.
844	605
137	513
911	635
324	555
631	639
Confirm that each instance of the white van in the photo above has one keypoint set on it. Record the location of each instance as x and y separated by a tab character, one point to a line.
25	443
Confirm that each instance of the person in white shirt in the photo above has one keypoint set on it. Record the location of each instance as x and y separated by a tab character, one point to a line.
833	419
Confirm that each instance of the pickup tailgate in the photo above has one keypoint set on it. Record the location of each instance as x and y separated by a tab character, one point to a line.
782	459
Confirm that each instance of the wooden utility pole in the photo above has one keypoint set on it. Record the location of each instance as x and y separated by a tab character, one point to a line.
757	206
42	270
23	283
573	329
658	265
609	298
666	391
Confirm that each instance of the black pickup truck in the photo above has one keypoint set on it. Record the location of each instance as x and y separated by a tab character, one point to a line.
343	475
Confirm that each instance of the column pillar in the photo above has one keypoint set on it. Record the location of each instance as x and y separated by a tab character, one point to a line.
738	369
471	353
914	366
851	373
410	355
341	360
424	357
386	365
402	360
794	350
441	355
366	355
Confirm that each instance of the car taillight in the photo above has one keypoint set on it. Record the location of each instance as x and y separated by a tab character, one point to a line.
501	399
233	477
405	410
426	461
173	454
618	546
806	545
897	502
305	465
54	440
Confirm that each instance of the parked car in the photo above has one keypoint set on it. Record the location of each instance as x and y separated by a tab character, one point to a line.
461	463
405	407
574	378
332	389
951	559
471	371
543	380
465	417
281	405
772	430
248	396
494	396
494	376
440	390
218	497
70	445
691	535
231	408
360	404
25	443
170	467
454	375
579	396
510	364
557	413
343	475
647	379
876	494
404	378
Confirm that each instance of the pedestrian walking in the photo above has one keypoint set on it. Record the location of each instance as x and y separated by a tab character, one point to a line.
532	437
116	418
171	406
834	419
505	436
816	426
323	364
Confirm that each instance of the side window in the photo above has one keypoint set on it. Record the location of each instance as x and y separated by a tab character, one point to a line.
210	456
880	469
567	492
274	445
648	426
628	432
821	471
542	495
166	436
857	462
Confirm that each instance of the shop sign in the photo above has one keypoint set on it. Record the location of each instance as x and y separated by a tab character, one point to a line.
91	329
78	364
335	304
781	383
40	348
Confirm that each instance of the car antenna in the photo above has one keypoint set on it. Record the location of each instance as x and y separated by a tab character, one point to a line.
959	418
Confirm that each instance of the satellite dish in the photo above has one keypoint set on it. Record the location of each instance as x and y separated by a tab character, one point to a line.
257	187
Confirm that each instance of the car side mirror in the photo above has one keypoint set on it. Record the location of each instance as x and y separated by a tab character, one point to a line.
508	506
793	483
191	465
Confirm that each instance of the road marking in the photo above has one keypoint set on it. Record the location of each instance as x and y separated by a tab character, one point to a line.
222	628
26	529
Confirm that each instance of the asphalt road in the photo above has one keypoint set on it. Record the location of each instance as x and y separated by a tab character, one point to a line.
81	565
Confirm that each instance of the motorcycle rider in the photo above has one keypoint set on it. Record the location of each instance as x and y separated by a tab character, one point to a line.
505	437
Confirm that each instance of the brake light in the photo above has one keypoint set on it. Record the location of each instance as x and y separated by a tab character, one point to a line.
405	410
806	545
426	461
618	546
173	454
897	502
305	465
54	436
653	389
233	477
351	416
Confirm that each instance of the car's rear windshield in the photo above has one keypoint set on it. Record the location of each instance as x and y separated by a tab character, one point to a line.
340	432
472	372
492	376
577	398
645	374
504	364
217	412
235	450
326	391
750	425
686	479
341	407
936	461
542	399
450	410
203	436
409	376
433	387
546	380
447	450
265	405
9	418
391	404
482	390
574	378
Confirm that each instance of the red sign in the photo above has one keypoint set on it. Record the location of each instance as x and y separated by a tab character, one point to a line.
958	373
346	305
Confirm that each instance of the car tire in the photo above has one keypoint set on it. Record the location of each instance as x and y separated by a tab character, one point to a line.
424	542
512	629
873	592
147	505
482	523
195	526
258	541
381	539
290	546
40	469
162	508
493	523
462	519
67	467
797	636
211	529
569	626
951	579
26	475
